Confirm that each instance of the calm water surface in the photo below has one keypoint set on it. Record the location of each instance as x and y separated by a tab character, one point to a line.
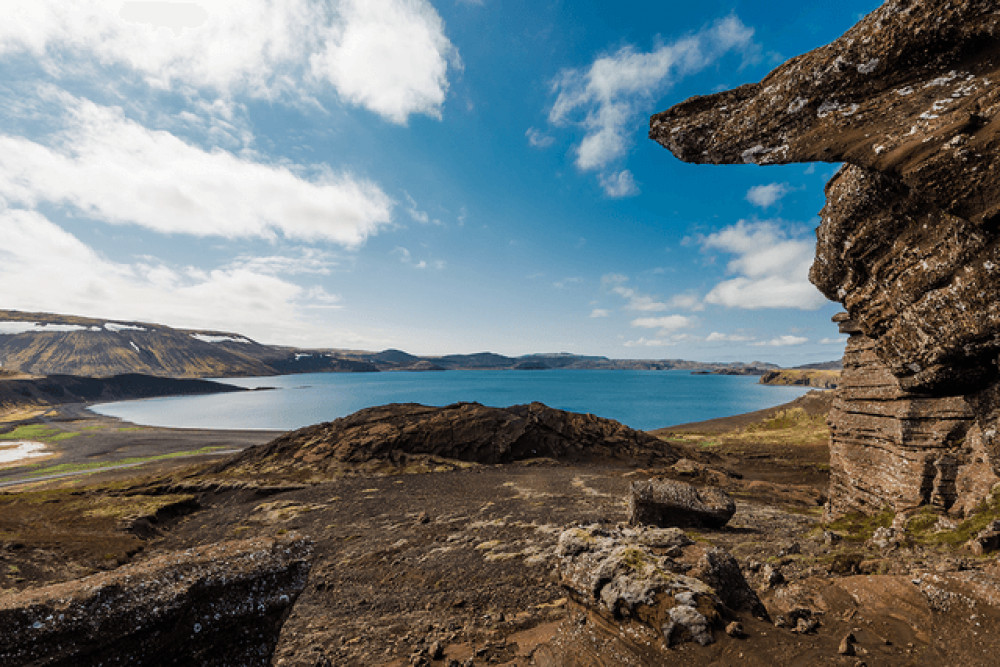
640	399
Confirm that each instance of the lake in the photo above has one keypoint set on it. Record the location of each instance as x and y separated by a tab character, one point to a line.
640	399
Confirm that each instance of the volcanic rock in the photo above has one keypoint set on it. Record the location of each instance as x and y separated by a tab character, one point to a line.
656	577
463	431
910	236
222	604
665	503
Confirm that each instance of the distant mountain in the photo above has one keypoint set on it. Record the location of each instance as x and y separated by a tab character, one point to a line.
47	344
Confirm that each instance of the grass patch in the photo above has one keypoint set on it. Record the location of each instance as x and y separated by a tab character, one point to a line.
83	467
857	527
920	527
38	432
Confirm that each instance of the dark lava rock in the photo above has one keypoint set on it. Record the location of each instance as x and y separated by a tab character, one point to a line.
664	503
463	431
222	604
909	241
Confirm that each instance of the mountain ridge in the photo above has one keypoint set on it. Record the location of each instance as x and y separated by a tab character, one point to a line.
49	344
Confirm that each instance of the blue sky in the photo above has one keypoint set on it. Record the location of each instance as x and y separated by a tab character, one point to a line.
438	176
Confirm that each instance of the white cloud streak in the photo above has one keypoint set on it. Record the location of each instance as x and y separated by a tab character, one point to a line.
606	98
114	169
389	56
782	341
768	195
620	184
666	323
773	268
538	139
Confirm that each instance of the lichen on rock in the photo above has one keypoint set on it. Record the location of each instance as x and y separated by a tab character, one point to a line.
656	577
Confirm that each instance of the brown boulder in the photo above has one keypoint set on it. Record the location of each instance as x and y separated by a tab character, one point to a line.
664	503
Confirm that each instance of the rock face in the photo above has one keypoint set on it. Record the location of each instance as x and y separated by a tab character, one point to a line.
463	431
666	503
222	605
910	235
658	578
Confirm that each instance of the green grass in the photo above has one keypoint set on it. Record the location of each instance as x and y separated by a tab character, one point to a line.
38	432
919	528
857	527
83	467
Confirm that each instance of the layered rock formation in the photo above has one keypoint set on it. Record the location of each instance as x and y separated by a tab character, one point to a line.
222	604
464	431
910	235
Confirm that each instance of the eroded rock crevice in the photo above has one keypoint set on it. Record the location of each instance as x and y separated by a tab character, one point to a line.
909	241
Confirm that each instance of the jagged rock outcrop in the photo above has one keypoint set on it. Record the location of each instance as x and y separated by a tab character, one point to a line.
464	431
910	236
222	604
658	578
666	503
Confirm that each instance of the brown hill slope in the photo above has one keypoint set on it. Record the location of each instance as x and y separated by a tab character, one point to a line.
463	431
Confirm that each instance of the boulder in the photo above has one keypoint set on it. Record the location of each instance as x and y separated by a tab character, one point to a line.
909	240
657	578
222	604
661	502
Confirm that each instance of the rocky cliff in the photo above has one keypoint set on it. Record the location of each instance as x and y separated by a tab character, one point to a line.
910	236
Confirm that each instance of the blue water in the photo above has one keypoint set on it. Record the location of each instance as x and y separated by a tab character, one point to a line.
640	399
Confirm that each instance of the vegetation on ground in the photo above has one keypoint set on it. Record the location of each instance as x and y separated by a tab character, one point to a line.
39	432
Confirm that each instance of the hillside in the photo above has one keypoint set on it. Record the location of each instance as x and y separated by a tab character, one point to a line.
821	379
48	344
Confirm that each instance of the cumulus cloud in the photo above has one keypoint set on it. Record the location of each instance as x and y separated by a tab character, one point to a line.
389	56
109	167
666	323
782	341
600	312
606	98
719	337
620	184
43	267
768	195
773	268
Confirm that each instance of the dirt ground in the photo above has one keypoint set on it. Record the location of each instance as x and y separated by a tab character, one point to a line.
459	565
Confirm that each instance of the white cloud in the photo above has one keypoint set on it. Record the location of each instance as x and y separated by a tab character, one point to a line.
773	268
687	301
538	139
664	324
600	312
406	257
782	341
112	168
606	98
833	341
717	337
649	342
635	299
390	56
768	195
621	184
44	268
